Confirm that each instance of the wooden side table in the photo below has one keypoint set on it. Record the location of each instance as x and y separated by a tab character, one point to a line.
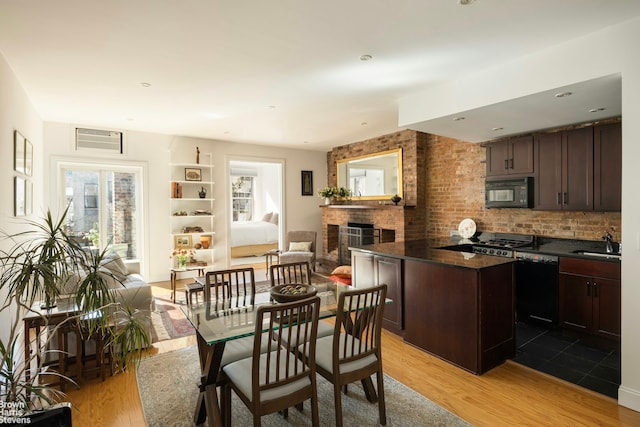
176	271
269	259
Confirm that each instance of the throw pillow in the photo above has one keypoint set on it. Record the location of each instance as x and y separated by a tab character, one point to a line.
342	270
300	247
267	217
115	265
274	218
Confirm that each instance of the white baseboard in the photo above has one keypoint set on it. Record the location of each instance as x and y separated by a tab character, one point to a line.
629	398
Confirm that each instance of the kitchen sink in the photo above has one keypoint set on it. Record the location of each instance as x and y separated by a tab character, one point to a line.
598	254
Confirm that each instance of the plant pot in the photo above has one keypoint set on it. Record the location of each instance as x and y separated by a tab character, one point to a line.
205	241
327	201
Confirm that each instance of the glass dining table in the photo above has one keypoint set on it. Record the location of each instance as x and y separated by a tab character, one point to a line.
217	322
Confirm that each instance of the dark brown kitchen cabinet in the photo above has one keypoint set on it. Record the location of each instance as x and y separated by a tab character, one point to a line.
564	176
464	316
607	167
590	297
510	157
374	270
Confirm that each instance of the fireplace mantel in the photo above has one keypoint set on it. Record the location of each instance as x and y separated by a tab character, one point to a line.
366	206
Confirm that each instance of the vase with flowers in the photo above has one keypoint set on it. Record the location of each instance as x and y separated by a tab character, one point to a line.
328	193
182	255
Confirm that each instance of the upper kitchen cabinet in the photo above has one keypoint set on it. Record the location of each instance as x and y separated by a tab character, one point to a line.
607	171
564	176
579	169
510	157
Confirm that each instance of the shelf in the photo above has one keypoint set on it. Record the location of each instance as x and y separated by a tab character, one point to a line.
191	165
192	182
192	199
206	233
387	206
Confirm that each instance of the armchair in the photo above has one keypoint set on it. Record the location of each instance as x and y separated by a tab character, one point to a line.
300	246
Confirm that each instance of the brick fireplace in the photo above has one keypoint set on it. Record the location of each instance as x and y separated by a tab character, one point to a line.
396	223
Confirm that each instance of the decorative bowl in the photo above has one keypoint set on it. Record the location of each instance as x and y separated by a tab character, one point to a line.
292	292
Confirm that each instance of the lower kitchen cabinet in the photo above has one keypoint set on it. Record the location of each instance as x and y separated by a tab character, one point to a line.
590	297
374	270
464	316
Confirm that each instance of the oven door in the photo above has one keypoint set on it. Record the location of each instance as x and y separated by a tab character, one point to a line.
537	293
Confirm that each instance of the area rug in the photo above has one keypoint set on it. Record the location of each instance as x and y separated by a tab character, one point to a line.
168	390
168	322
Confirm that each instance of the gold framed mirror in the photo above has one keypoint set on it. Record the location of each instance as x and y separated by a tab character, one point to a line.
376	176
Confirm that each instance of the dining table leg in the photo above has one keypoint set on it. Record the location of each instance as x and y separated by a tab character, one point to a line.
208	405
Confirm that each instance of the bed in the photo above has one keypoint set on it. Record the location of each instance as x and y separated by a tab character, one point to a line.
254	238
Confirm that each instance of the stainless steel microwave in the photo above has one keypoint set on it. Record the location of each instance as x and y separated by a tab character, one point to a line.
509	193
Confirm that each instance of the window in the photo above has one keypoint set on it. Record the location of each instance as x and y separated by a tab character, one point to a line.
104	206
242	197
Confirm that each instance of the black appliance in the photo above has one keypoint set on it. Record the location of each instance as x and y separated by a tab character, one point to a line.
509	193
537	288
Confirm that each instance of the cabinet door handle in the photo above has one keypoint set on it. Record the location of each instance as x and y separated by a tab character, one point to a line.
595	290
558	199
564	198
588	289
511	163
506	164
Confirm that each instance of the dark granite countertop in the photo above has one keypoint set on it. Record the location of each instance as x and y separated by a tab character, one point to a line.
426	250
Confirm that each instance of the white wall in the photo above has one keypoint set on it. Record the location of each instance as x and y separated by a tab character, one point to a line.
16	112
300	212
606	52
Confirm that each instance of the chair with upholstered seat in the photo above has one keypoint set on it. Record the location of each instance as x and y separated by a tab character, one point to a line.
353	352
277	379
300	246
296	273
228	289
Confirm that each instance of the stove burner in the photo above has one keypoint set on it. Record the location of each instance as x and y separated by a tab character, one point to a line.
501	244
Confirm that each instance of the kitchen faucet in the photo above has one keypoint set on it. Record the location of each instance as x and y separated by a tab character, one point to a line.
609	246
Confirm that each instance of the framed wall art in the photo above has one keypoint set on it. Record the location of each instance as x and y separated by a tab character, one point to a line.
19	190
307	183
18	152
28	157
182	241
192	174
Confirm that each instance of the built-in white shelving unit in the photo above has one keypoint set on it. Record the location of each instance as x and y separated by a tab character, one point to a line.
191	209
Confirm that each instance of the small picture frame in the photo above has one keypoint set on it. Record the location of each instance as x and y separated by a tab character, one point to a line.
192	174
18	152
307	183
182	241
28	157
19	190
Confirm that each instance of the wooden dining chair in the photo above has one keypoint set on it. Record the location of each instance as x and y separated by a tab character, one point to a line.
228	289
290	272
277	379
353	352
296	272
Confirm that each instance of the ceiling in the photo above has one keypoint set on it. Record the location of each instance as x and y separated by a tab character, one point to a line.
288	72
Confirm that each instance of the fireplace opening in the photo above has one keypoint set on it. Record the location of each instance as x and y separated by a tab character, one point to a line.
354	234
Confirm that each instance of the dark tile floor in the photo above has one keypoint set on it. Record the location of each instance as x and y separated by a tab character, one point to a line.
568	358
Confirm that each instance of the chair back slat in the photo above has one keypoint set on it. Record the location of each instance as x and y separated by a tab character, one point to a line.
288	273
223	285
280	365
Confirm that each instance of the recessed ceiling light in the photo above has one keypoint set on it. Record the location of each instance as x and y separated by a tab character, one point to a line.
596	110
365	57
145	84
271	107
563	94
457	119
497	129
364	124
305	142
465	2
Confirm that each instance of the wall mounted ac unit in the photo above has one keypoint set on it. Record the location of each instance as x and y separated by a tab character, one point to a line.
96	139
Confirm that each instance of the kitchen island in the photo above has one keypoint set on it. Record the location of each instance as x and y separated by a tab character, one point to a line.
457	306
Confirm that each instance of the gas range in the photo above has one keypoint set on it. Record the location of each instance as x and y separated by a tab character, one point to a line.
501	244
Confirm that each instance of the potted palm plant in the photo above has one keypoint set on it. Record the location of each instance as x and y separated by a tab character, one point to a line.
40	264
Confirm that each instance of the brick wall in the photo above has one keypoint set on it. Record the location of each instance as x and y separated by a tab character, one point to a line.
455	190
443	184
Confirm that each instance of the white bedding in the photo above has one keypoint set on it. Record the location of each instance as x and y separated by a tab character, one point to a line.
253	233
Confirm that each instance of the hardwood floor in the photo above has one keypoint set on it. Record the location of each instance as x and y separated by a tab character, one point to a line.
508	395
